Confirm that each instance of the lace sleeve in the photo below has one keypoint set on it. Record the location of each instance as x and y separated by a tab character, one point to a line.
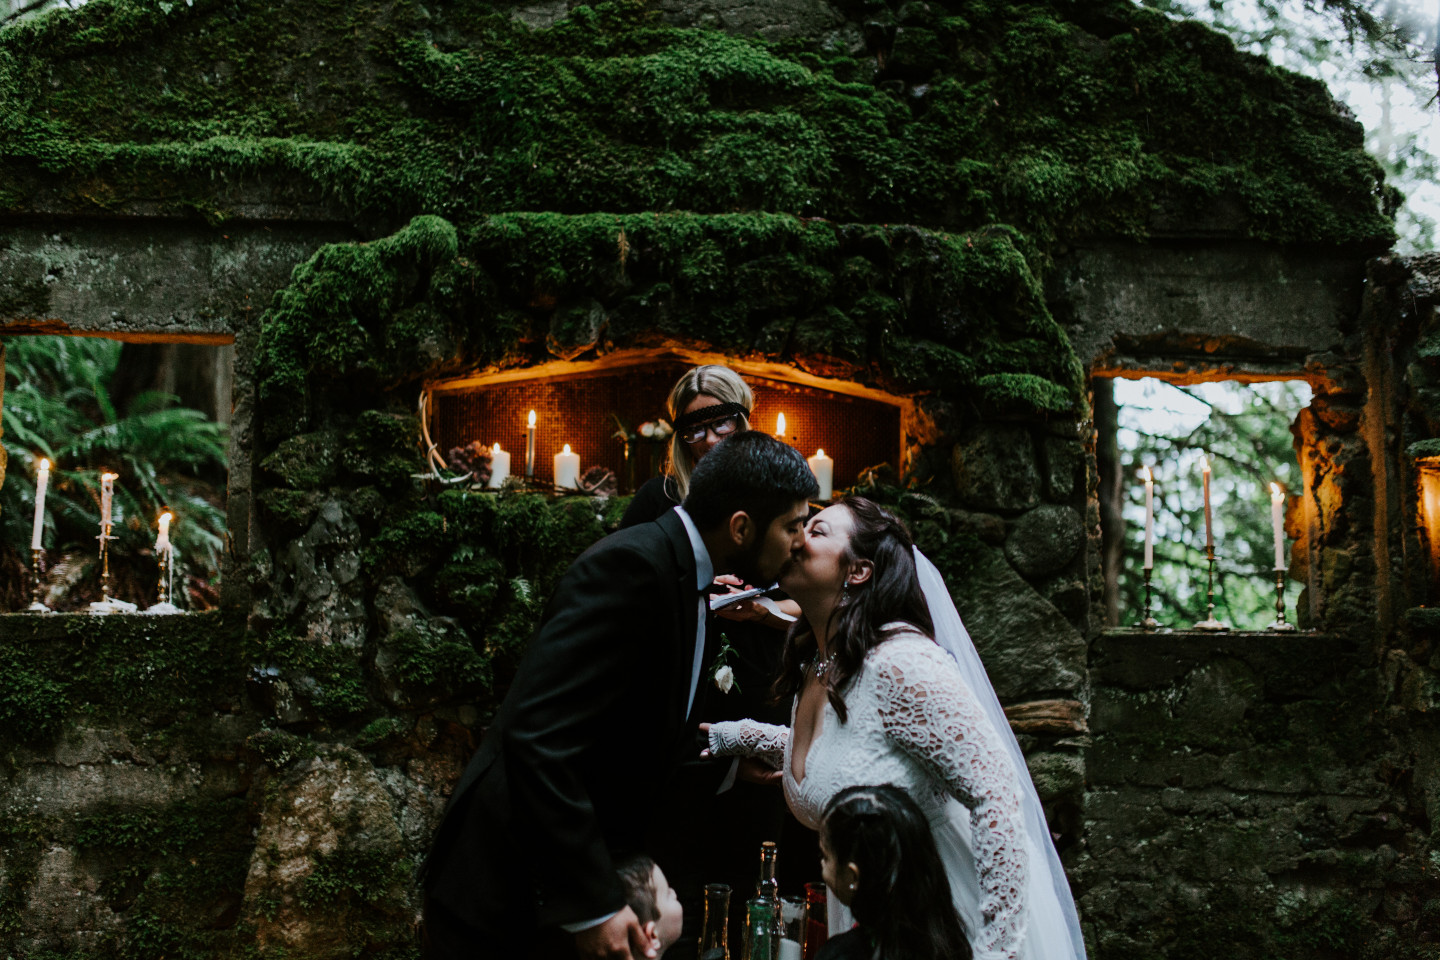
929	713
749	738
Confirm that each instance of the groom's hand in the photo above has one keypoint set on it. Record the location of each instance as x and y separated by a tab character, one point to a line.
619	938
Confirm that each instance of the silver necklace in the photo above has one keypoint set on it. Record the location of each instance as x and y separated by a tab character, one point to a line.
818	666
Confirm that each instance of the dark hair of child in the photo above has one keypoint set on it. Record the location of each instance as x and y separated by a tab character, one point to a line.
902	901
637	879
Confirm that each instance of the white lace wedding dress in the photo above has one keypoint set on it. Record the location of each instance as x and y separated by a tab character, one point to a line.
913	722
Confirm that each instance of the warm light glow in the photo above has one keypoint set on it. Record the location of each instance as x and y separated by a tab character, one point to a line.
531	422
495	449
166	517
110	476
1148	477
44	464
780	425
1276	493
819	453
566	451
1205	463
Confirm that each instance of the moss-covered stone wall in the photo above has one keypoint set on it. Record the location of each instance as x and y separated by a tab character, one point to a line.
879	196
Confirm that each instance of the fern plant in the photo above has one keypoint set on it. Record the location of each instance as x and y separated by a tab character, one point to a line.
57	405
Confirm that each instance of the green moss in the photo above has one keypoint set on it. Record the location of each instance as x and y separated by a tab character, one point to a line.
362	875
327	675
426	655
305	462
1423	449
383	449
382	731
280	748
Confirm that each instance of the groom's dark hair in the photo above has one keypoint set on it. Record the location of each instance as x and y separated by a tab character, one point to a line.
748	471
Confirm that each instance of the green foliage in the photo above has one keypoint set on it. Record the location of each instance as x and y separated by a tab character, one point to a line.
280	748
425	654
1246	433
57	405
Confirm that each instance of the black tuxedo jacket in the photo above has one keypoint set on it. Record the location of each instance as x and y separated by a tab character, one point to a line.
592	726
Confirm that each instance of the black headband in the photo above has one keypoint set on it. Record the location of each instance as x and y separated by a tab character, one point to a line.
716	411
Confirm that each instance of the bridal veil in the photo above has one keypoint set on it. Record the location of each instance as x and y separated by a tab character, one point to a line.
1054	925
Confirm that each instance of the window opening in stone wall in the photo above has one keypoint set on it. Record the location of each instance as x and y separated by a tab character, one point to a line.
599	414
156	415
1244	429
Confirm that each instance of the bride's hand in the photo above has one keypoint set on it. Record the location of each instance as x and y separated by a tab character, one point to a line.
758	771
705	729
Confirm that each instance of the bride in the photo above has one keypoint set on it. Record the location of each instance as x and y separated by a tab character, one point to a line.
877	700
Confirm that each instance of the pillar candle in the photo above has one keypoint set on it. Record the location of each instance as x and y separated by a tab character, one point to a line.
824	469
1149	520
162	542
499	467
107	493
567	469
1209	527
530	445
41	483
1277	523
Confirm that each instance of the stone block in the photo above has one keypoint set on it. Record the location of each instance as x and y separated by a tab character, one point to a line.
1027	646
1044	540
327	825
996	470
1062	463
1057	775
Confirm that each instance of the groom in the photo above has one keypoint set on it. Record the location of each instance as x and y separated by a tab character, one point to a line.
600	713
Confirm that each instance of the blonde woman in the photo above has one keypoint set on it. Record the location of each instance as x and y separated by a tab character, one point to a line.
707	404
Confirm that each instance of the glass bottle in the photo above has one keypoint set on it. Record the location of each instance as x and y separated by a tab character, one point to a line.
714	932
762	912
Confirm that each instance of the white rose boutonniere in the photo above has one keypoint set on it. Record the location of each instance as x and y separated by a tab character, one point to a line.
720	671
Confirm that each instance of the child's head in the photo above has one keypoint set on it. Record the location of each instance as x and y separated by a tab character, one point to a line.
650	895
877	855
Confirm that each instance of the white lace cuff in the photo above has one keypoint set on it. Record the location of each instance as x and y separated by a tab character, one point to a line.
749	738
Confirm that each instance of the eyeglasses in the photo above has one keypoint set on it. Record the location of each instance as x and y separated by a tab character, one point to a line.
721	428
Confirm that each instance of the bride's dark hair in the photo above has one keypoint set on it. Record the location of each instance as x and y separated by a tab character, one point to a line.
902	897
857	624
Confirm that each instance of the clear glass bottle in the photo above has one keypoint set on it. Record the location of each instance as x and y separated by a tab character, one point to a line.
763	921
714	932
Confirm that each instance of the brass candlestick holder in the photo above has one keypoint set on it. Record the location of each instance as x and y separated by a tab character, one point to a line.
37	569
166	585
105	539
1148	622
1280	624
1210	623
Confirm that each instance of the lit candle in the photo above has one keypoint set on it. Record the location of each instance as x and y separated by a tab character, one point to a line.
107	493
41	483
1209	527
162	542
530	445
1149	520
780	427
499	467
824	469
1277	523
567	469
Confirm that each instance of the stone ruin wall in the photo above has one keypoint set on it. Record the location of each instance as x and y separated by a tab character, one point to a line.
265	776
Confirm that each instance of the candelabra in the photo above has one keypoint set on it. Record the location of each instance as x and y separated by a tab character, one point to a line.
1210	623
37	568
1280	623
1148	622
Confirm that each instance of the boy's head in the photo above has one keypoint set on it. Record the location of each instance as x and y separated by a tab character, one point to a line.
650	895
